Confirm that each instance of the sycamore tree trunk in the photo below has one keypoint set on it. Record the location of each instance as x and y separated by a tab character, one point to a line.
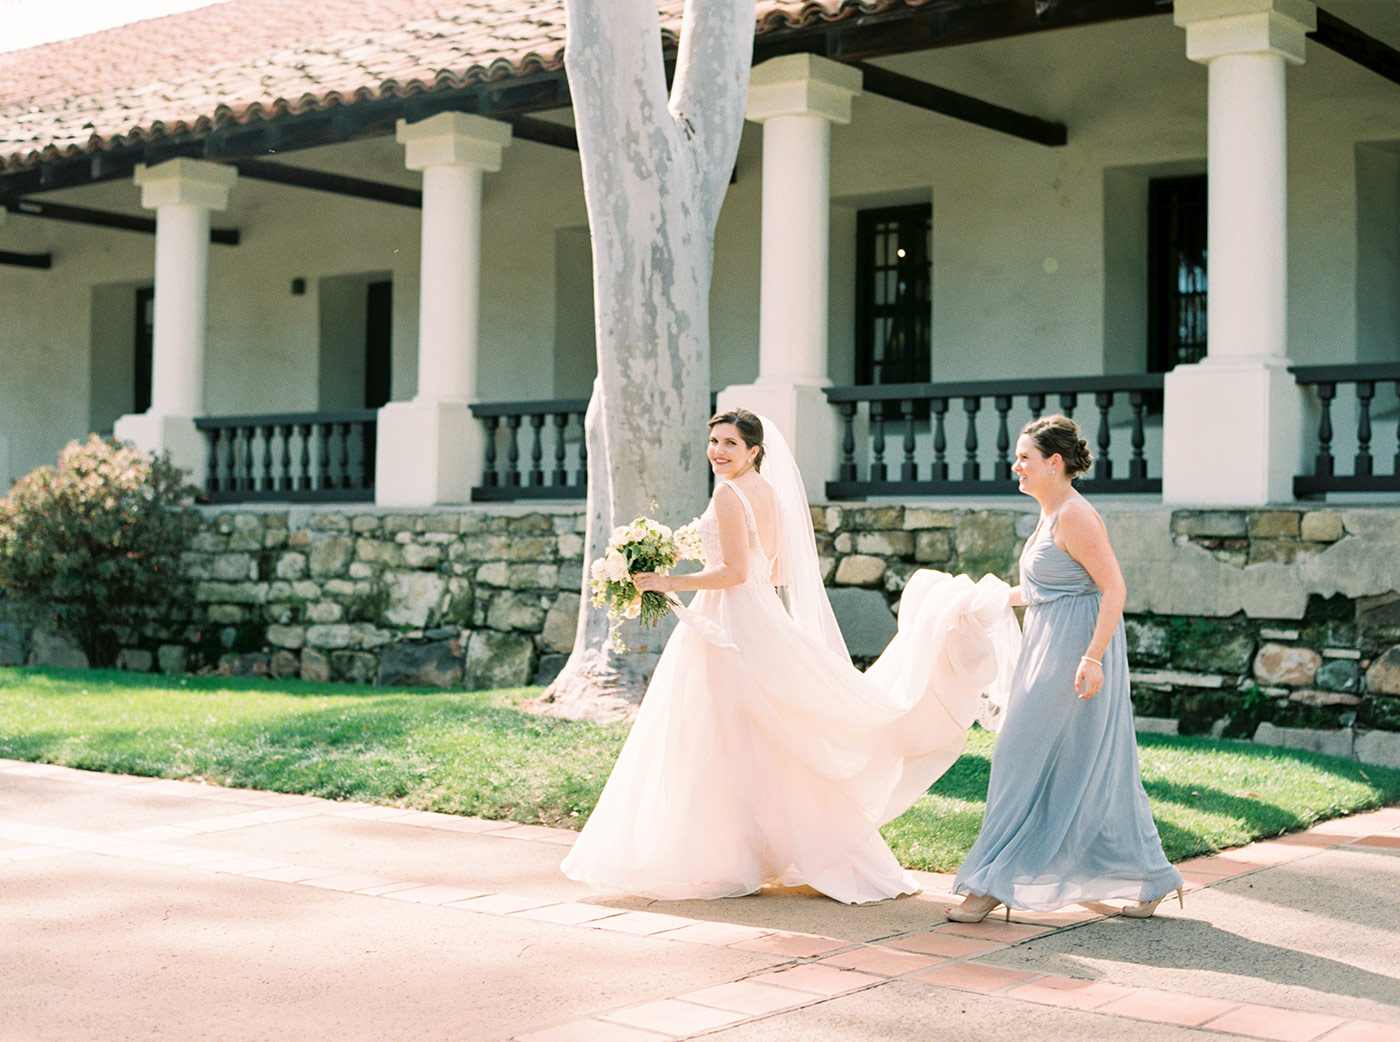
655	170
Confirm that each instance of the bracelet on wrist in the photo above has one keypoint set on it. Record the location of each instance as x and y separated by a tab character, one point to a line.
1095	661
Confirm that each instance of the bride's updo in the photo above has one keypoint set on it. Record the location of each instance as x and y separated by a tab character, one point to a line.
750	428
1053	434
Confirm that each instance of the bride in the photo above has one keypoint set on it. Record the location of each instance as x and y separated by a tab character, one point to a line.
760	754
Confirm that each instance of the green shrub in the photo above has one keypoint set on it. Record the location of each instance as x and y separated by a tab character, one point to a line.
92	548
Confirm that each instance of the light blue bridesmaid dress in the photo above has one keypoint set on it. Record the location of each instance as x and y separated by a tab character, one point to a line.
1067	819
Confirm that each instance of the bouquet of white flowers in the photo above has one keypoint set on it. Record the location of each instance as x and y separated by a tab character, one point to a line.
643	546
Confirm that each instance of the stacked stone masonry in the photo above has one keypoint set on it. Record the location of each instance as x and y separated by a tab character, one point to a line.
1282	622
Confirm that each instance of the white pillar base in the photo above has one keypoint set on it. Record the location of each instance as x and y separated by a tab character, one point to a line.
177	435
805	418
428	452
1233	434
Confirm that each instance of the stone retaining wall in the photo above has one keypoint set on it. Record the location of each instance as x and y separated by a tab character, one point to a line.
1235	618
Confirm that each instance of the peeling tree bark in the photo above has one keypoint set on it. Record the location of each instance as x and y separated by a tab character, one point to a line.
655	170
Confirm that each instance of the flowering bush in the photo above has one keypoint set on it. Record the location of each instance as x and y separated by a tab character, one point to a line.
643	546
92	547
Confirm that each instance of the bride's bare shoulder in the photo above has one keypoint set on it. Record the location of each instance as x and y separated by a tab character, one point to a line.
759	492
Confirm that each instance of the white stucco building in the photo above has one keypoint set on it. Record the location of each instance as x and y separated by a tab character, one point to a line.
926	194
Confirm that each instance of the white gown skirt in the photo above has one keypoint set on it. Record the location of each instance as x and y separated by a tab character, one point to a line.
761	756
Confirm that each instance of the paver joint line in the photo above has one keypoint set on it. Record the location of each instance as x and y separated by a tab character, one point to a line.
816	970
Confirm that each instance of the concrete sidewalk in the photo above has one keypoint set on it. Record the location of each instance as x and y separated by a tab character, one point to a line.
139	908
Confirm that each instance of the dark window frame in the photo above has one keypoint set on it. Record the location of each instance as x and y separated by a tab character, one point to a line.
908	310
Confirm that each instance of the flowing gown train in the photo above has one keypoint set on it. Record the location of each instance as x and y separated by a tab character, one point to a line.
760	754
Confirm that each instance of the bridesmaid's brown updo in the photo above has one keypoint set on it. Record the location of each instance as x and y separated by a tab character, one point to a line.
1053	434
750	428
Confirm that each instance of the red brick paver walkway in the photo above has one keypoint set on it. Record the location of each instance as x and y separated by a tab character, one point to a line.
798	970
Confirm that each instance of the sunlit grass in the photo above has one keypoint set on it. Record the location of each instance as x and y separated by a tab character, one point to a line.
461	753
481	754
1206	795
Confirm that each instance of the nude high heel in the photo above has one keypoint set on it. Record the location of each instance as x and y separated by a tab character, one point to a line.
958	915
1146	909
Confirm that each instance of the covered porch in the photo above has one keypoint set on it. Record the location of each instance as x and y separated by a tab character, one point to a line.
938	228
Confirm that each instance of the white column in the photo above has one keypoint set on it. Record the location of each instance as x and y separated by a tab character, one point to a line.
797	98
430	449
183	193
1234	423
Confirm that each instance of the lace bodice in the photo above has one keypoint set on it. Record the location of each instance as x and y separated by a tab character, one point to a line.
760	565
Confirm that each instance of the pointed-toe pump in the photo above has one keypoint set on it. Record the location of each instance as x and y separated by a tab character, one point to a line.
965	915
1146	909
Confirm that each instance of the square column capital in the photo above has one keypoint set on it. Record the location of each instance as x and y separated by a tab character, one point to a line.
185	182
454	139
802	85
1215	28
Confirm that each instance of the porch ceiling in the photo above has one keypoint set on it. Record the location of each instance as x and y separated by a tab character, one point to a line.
247	77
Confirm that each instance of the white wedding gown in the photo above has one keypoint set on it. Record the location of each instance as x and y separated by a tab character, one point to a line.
760	754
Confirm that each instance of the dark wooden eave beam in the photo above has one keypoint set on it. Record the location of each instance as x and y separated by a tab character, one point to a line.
543	132
26	260
1350	42
938	23
104	218
960	106
339	184
944	23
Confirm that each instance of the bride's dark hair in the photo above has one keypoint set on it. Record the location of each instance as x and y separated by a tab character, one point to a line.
750	428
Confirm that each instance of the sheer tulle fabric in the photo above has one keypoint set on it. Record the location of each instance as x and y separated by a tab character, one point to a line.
760	754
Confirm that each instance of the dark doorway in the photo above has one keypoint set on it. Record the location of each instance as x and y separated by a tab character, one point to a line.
893	285
379	309
1176	272
144	341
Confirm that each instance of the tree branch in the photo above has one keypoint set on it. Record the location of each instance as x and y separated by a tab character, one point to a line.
617	80
711	89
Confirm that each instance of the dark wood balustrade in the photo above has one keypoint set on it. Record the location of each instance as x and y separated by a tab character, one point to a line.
1363	381
291	457
917	417
555	464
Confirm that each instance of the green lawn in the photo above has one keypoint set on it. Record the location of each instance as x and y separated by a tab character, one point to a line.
480	754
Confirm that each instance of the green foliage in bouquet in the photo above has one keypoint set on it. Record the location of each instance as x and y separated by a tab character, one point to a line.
92	547
642	546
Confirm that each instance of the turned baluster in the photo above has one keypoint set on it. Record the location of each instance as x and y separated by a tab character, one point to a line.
1323	465
513	452
1365	391
971	471
1003	465
847	469
537	450
940	440
1137	466
1103	466
877	442
561	471
908	470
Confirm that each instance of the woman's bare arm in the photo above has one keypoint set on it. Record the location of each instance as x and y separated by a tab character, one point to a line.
1082	535
731	570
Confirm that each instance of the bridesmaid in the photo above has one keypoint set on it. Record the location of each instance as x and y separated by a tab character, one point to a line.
1067	820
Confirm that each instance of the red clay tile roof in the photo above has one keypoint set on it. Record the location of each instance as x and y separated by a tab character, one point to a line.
245	60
